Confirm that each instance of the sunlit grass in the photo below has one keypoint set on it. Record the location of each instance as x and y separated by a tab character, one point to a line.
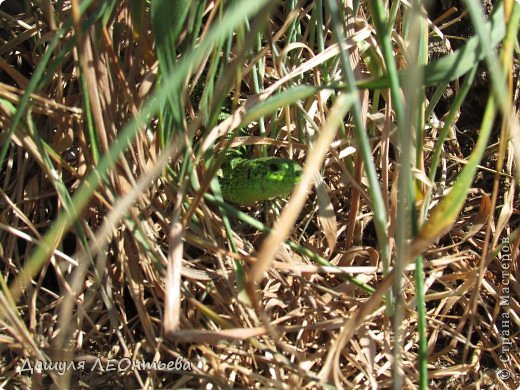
383	268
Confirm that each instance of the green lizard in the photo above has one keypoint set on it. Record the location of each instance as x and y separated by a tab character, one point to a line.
246	181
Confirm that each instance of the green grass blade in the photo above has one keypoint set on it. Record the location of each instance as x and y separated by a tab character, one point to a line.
445	213
36	78
167	23
82	196
498	80
293	245
459	99
380	214
460	62
420	306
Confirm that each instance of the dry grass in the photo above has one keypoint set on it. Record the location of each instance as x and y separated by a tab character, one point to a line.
138	262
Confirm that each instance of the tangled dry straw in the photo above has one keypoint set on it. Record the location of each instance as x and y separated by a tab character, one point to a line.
147	265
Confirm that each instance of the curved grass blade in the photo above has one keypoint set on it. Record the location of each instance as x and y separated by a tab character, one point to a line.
36	79
82	196
167	23
445	213
293	245
457	64
380	213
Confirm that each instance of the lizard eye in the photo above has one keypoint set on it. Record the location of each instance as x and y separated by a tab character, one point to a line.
274	167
